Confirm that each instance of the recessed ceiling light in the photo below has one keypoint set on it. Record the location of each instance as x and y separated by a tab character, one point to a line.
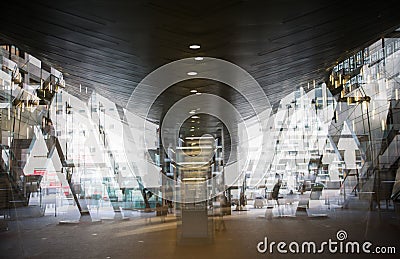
193	91
198	58
195	117
198	93
192	112
193	121
194	46
191	129
191	73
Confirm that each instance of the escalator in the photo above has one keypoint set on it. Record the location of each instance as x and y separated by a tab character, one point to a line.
146	194
53	145
389	160
16	184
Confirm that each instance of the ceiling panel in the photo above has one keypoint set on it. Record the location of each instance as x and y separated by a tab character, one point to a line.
110	46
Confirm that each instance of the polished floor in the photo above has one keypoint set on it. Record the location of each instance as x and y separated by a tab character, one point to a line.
142	235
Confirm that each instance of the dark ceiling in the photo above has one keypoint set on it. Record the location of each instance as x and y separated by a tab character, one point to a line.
110	46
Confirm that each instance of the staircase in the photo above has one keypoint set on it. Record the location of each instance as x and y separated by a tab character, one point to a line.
11	195
19	154
80	203
53	144
15	188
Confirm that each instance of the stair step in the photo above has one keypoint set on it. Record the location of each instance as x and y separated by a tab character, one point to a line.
21	143
356	203
85	212
18	203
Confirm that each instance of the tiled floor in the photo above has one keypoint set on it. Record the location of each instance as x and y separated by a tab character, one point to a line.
144	236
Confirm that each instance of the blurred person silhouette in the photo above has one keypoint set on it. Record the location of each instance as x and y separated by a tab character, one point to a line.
242	201
275	191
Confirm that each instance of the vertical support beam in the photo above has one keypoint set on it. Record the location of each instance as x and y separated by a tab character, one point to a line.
162	157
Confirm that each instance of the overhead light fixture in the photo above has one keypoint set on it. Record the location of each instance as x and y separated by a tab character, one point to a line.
195	117
191	73
194	46
198	93
193	121
192	112
204	137
193	91
198	58
191	129
194	179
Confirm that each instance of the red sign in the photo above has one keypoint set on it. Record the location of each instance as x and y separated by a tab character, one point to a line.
39	172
